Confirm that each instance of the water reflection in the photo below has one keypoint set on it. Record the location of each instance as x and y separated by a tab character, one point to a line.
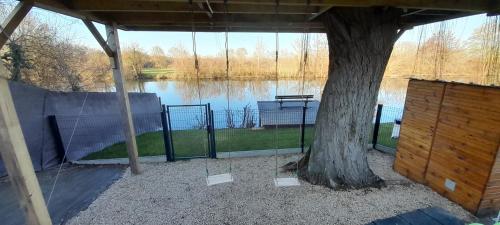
248	92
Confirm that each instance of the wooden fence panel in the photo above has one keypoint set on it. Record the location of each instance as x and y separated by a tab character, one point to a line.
423	99
451	143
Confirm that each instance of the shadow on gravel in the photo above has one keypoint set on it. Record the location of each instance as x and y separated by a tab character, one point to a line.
77	187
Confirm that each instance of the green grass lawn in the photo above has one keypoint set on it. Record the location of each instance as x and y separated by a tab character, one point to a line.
156	73
384	136
190	143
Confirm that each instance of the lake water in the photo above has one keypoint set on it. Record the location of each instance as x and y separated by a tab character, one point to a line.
247	92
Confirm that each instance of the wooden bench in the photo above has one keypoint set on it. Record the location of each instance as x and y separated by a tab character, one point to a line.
284	98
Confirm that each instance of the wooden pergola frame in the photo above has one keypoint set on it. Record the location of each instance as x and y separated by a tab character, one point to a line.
179	15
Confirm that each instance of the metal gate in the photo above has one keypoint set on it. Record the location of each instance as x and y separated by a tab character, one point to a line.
190	132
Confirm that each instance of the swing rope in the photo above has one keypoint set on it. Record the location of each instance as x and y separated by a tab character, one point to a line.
66	150
303	70
197	71
276	72
226	45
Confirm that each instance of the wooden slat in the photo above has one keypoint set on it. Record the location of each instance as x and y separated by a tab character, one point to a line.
463	124
466	144
490	201
458	171
417	128
465	197
462	145
451	145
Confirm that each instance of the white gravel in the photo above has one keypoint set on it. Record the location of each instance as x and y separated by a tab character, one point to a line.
176	193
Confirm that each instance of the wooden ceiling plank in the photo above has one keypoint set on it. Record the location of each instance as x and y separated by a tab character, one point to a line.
177	7
222	29
462	5
128	18
323	10
57	6
131	14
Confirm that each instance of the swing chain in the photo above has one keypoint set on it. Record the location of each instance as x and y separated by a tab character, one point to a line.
197	69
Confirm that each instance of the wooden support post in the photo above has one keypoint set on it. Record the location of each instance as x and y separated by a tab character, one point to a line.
14	151
123	101
17	160
321	11
13	20
98	37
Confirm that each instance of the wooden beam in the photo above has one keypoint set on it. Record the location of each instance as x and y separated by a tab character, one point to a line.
413	12
208	12
60	7
460	5
17	160
14	151
98	37
232	25
13	20
408	21
256	28
323	10
149	14
123	101
182	7
176	18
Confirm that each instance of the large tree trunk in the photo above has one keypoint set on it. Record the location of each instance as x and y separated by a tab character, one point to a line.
360	42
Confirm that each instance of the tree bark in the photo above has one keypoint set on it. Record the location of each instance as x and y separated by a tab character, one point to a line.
360	42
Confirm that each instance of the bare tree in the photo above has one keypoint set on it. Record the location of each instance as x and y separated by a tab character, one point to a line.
181	60
248	120
134	59
259	56
230	119
483	49
159	58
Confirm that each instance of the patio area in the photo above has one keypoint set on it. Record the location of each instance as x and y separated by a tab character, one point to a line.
176	193
76	188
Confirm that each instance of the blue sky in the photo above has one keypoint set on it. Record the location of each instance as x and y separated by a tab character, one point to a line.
211	43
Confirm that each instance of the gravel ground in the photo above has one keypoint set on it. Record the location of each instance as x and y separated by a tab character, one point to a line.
176	193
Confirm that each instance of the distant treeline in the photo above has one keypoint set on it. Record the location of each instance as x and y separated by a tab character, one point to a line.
260	64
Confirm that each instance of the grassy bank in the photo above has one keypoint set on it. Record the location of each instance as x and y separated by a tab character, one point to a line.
155	74
188	143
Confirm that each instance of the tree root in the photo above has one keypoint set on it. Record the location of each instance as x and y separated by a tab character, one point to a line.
319	179
302	164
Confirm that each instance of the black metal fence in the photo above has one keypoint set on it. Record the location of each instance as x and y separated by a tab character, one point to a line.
386	128
188	131
196	131
192	131
249	129
240	130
